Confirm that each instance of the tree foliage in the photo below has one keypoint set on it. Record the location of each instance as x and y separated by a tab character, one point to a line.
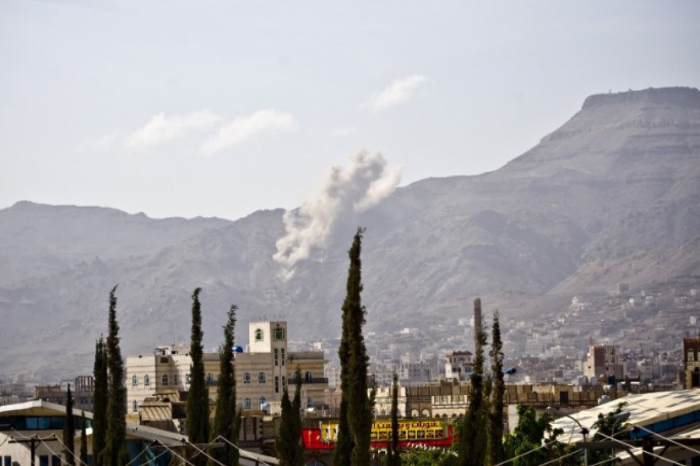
290	451
226	420
429	457
607	425
353	446
527	436
498	389
69	430
197	409
474	438
83	439
393	457
115	453
99	418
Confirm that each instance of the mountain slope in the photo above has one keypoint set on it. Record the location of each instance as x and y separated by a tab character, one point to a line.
613	195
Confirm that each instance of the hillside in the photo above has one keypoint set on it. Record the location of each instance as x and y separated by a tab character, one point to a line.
613	195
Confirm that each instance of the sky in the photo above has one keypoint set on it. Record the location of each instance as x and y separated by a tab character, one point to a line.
222	108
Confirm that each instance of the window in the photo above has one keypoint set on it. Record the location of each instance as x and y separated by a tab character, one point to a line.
261	377
246	403
246	377
175	381
691	355
284	381
164	380
134	406
55	461
262	401
44	460
294	377
277	384
135	381
279	333
258	335
276	357
210	378
309	402
146	381
307	376
8	461
283	356
187	379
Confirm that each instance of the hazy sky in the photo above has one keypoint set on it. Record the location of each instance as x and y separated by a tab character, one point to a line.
221	108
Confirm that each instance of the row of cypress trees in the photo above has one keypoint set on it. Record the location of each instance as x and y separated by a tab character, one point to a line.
227	420
481	431
109	412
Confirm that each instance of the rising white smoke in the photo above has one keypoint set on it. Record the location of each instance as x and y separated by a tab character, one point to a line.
355	188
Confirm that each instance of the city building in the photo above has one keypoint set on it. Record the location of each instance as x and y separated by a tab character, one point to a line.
82	392
691	362
458	365
261	373
603	362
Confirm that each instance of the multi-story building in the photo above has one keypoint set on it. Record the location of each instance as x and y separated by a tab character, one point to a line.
82	393
165	371
261	373
458	365
383	399
603	361
268	366
691	362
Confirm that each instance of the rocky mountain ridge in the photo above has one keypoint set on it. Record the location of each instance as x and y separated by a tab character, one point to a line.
611	196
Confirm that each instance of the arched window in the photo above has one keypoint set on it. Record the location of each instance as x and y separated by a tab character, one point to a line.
258	334
246	403
246	377
262	401
261	377
307	376
414	413
164	380
279	333
425	413
691	355
146	381
135	407
294	377
135	381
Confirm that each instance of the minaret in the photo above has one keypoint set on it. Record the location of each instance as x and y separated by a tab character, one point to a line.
477	319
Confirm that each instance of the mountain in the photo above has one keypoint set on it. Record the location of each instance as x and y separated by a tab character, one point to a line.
611	196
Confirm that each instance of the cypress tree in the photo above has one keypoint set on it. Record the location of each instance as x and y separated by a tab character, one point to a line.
69	430
296	421
355	423
197	410
83	439
225	418
473	440
496	454
288	442
115	449
284	442
99	415
393	456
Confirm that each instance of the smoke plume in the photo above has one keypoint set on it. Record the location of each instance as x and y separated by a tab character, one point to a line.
363	184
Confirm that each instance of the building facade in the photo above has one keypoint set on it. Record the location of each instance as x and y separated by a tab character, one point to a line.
603	361
261	373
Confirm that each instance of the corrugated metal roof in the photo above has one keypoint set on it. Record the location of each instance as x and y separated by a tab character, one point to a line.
645	409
